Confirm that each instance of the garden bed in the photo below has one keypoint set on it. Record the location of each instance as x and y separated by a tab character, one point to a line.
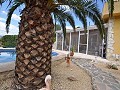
60	77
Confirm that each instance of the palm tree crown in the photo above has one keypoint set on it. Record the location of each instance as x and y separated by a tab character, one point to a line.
62	11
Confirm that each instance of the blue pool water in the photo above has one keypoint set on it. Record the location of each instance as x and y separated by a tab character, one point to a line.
10	56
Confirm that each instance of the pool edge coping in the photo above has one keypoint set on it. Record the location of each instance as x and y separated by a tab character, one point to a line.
7	66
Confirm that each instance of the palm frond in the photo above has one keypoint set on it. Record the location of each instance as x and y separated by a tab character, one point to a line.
81	16
110	7
2	1
63	17
70	19
55	22
89	9
9	1
95	16
11	10
82	9
63	24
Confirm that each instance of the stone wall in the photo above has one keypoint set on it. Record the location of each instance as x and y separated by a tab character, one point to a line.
110	42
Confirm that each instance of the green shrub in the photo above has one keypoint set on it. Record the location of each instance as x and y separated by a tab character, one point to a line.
72	49
9	41
112	66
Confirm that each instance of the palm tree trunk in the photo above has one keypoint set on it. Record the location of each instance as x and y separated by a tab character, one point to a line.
34	47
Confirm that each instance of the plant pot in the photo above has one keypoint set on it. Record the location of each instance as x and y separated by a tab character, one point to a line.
71	53
68	61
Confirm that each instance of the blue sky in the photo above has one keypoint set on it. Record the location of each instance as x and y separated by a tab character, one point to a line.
14	22
15	19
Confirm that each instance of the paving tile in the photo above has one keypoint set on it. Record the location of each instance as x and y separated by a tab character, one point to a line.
106	82
116	85
113	87
108	88
97	80
101	86
101	80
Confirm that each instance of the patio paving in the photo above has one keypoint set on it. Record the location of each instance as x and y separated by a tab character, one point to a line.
100	80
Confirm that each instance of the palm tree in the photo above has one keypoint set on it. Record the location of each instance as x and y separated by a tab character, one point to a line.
110	6
35	39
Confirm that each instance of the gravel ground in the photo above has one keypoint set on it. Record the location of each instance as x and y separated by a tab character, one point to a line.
104	67
60	74
6	78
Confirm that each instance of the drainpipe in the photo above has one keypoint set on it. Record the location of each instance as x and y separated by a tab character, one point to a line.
70	42
102	46
56	40
78	41
87	42
62	41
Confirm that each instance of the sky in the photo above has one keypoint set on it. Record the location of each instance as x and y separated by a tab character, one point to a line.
15	19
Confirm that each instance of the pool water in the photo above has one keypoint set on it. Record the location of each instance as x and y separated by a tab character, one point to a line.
11	56
7	57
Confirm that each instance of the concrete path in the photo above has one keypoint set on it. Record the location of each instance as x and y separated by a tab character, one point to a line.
100	80
81	55
7	66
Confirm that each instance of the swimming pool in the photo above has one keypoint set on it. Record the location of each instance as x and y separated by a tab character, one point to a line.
11	56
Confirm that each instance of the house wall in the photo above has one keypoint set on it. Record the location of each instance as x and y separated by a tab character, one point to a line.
74	40
113	39
110	40
116	28
116	13
113	35
94	43
79	43
66	42
59	41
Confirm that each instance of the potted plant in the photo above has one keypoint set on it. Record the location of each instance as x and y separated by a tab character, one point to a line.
72	51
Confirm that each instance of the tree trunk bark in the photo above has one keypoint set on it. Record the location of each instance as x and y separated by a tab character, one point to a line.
34	47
